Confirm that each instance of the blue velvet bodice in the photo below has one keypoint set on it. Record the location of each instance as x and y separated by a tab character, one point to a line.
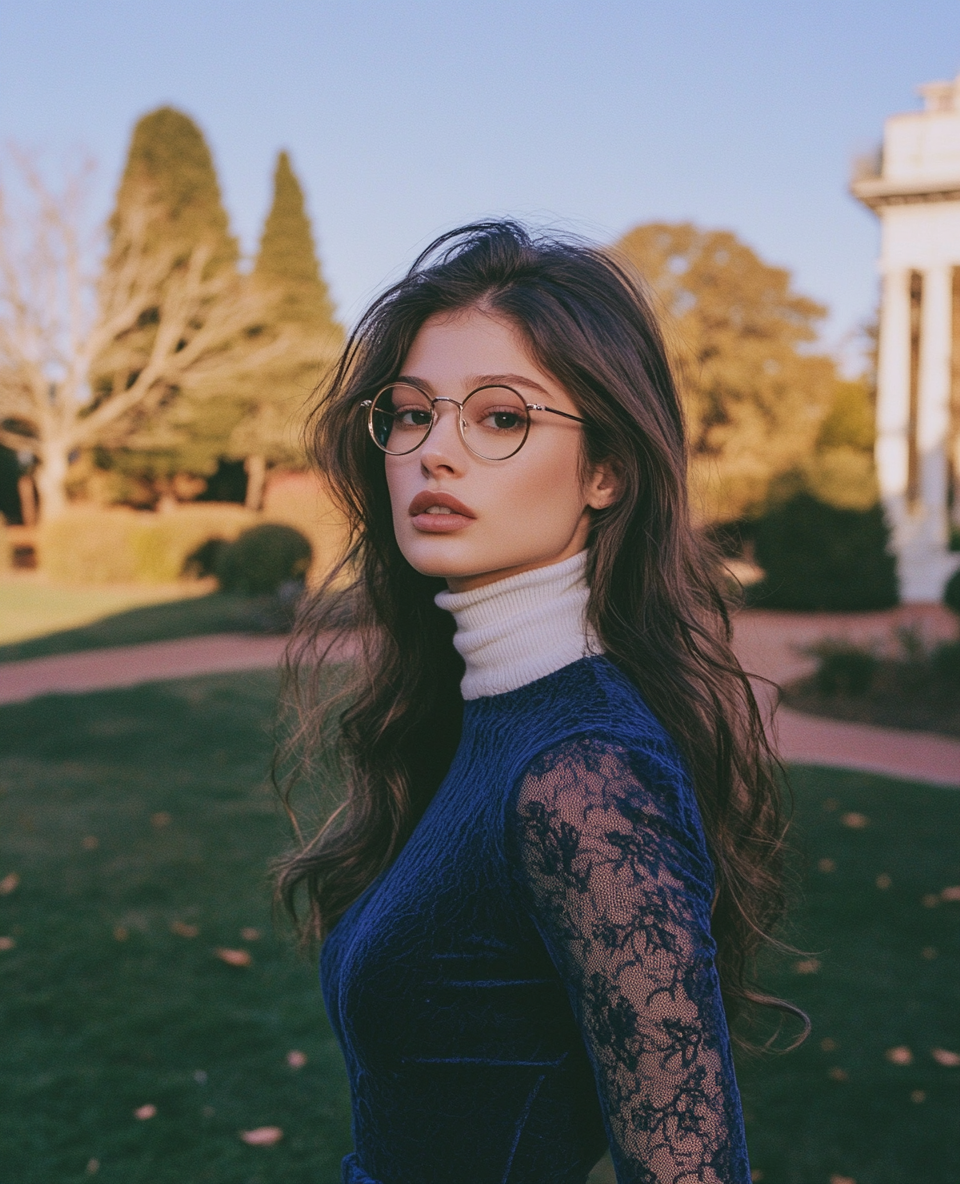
532	978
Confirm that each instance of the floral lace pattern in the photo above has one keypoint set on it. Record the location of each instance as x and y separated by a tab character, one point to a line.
620	887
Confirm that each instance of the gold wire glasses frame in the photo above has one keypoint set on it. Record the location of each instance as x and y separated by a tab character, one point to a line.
493	420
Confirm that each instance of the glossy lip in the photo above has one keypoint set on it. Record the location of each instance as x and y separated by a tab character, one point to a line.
439	523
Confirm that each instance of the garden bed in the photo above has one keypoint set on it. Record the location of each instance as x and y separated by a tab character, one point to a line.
891	702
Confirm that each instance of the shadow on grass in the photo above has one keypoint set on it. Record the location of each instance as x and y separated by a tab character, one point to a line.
126	813
194	616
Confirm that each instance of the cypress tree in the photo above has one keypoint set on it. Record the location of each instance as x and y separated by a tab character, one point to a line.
287	259
296	302
170	166
169	176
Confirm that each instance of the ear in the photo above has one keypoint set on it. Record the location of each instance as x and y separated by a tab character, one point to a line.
603	487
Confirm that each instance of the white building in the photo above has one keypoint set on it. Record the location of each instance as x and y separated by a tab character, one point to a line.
914	188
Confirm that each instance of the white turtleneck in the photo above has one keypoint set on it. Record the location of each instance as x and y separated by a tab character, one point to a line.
522	628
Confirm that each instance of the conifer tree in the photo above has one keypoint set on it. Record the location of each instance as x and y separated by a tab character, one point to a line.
296	302
169	198
287	259
169	165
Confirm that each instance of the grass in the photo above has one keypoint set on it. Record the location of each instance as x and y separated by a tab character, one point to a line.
889	964
190	616
31	606
105	1009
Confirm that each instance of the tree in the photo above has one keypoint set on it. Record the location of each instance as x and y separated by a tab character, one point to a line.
296	300
754	399
178	309
169	179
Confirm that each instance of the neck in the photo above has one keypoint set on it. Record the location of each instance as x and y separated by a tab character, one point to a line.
522	628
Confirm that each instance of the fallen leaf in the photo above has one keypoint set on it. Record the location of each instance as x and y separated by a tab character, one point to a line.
901	1055
756	1175
296	1059
838	1075
918	1095
952	893
828	1044
807	966
248	933
930	901
928	952
262	1136
160	819
827	865
145	1112
93	1166
883	880
183	929
7	943
835	1179
200	1077
121	933
9	883
90	843
854	820
234	957
943	1056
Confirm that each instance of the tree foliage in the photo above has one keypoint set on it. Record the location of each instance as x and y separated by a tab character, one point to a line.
91	359
295	301
754	398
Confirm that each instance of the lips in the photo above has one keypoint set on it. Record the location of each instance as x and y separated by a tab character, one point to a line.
438	513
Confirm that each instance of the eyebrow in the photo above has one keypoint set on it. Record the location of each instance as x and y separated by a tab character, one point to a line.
478	380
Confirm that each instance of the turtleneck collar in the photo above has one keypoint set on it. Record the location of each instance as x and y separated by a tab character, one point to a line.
522	628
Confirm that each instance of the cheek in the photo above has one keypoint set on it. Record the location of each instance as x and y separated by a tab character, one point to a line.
548	485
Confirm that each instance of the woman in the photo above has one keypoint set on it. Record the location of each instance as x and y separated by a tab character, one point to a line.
561	833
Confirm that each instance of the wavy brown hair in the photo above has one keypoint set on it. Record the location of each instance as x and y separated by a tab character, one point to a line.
393	721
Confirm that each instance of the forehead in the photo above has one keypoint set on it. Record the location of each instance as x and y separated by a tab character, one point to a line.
464	340
472	347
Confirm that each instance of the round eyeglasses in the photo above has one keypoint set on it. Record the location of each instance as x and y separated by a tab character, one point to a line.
494	421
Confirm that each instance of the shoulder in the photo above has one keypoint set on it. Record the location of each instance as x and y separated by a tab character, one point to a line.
599	716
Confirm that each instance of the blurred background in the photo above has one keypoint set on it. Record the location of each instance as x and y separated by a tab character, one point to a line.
198	201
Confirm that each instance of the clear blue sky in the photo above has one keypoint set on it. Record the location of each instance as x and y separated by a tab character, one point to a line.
405	117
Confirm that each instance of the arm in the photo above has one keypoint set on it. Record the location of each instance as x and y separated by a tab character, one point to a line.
619	885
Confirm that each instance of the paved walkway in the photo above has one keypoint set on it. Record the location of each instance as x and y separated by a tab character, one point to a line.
767	643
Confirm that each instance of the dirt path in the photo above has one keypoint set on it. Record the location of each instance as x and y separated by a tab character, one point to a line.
766	643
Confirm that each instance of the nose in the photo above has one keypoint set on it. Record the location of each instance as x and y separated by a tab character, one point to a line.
443	449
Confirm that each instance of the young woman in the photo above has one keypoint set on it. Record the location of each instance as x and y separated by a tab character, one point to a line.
558	850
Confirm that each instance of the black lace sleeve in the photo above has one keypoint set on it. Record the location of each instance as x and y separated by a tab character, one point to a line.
619	885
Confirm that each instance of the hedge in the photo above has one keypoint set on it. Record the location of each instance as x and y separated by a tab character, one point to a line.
122	546
119	545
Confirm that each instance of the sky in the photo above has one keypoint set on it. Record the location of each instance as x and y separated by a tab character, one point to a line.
405	119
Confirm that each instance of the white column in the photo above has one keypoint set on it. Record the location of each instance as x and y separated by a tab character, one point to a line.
893	391
934	402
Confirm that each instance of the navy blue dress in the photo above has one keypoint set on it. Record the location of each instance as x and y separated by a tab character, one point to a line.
532	979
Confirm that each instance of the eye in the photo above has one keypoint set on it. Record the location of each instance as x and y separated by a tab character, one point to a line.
412	417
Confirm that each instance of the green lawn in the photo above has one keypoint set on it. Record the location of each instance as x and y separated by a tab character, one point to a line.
105	1009
109	622
31	605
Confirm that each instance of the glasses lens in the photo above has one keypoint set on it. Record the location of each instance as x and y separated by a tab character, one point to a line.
495	422
401	416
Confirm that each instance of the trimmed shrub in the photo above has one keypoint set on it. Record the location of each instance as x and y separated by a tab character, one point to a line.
820	557
203	561
264	558
842	668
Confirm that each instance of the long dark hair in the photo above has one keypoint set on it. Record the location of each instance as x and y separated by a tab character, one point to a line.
394	720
